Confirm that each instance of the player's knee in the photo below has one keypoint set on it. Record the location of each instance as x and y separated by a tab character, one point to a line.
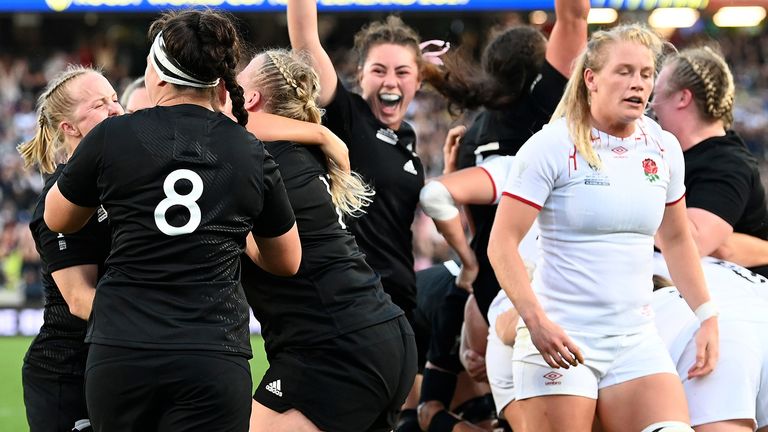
669	426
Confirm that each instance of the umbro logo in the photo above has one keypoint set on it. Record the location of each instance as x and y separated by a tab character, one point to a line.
553	378
619	150
409	167
274	387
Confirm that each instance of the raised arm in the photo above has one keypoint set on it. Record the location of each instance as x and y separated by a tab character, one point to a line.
302	30
569	34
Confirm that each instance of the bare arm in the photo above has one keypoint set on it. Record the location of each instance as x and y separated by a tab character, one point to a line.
279	255
513	220
473	341
271	127
709	231
680	252
302	30
78	287
61	215
569	34
744	250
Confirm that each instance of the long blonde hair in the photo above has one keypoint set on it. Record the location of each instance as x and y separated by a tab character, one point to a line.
705	73
290	88
54	105
574	105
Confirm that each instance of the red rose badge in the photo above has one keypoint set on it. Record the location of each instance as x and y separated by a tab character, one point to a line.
651	170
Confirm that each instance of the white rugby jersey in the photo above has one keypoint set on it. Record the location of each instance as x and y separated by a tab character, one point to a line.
498	169
597	226
740	295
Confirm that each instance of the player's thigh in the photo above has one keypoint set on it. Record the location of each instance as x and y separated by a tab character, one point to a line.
53	401
740	425
264	419
633	405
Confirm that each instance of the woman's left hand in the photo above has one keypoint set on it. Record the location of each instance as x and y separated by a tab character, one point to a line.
707	349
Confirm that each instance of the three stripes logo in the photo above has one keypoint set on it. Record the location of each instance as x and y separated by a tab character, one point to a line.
274	387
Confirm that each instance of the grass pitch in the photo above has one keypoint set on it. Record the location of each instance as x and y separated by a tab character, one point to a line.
12	350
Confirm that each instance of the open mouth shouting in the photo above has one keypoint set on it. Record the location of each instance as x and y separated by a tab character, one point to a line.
635	100
389	102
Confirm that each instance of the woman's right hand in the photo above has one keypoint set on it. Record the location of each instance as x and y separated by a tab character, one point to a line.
451	148
554	344
335	149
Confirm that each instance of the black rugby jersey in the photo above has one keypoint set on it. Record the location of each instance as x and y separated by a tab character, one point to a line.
722	177
387	160
503	132
334	291
183	186
60	345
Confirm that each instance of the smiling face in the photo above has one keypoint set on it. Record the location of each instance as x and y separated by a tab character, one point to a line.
619	91
389	79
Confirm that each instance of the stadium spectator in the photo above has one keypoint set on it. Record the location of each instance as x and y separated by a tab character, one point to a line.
184	186
602	179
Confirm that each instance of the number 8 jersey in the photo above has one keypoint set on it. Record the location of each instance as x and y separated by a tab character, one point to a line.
183	186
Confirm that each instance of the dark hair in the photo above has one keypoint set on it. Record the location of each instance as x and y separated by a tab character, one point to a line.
207	44
390	31
510	63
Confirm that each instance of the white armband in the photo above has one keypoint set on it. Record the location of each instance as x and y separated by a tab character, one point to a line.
706	311
437	202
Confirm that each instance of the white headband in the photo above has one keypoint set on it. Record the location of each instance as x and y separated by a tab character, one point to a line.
169	70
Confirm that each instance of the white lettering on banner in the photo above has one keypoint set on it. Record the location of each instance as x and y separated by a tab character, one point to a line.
9	325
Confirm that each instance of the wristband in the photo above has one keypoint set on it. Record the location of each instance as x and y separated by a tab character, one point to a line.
706	311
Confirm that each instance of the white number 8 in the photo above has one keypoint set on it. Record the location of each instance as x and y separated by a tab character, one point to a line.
188	201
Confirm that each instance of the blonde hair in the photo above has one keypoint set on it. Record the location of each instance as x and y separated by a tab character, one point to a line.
574	105
290	88
53	106
705	73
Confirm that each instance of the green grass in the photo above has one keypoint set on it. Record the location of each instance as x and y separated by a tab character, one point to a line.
12	350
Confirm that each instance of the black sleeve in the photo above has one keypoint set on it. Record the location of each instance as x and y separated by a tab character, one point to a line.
338	114
63	251
78	181
548	89
276	216
721	188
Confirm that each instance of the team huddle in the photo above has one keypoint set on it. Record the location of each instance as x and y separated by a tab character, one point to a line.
615	279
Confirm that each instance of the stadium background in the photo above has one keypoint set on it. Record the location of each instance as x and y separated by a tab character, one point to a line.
38	38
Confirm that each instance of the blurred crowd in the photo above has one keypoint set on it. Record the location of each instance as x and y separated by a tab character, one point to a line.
22	76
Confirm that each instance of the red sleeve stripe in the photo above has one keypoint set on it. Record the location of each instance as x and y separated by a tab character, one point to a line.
493	183
523	200
675	201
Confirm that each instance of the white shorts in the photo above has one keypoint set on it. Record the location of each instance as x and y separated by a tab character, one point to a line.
608	360
498	357
738	387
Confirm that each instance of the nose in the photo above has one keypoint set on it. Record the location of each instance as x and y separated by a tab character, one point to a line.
637	81
115	109
390	79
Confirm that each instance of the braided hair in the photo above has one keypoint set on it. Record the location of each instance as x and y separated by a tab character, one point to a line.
705	73
290	88
207	44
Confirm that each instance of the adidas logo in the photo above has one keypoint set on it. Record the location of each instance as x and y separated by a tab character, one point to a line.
274	387
409	168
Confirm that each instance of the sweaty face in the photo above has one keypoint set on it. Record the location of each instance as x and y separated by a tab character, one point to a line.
389	79
619	91
95	101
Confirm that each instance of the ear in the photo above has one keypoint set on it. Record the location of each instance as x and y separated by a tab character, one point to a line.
69	129
221	93
589	80
253	101
685	99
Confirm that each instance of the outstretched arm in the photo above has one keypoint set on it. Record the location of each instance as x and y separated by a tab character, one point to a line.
271	127
302	30
569	34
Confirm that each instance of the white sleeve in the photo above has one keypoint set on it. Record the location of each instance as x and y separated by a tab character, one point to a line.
536	166
497	168
674	154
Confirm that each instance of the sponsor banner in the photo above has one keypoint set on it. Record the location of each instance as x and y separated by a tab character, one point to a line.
27	322
74	6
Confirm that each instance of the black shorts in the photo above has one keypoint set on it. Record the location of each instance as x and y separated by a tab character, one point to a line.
355	382
155	390
54	401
